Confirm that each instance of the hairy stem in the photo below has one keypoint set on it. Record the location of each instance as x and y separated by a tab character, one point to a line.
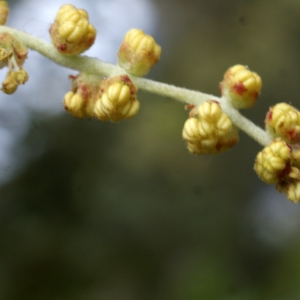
96	66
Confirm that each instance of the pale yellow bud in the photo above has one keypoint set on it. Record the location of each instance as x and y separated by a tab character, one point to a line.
71	32
212	133
13	79
283	120
10	84
210	111
120	93
206	129
190	131
293	191
138	52
273	162
241	86
21	76
223	125
75	104
118	100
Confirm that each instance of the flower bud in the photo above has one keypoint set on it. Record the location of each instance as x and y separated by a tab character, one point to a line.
71	32
272	164
81	99
118	100
293	191
13	79
283	120
10	84
75	105
4	10
138	52
241	86
212	132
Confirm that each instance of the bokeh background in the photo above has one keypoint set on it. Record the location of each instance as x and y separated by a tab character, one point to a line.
92	210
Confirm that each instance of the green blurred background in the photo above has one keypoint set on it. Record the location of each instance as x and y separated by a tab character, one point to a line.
122	211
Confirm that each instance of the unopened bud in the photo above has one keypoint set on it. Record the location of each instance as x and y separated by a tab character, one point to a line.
212	132
118	100
10	84
71	32
283	120
272	164
241	86
138	52
81	99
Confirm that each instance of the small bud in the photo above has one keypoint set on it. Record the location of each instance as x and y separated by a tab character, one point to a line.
21	76
4	10
212	133
10	84
272	164
13	79
293	191
118	100
241	86
71	32
74	104
283	120
138	52
81	99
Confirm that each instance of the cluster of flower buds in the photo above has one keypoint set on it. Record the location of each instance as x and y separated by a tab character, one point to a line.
4	10
112	99
240	86
71	32
210	130
278	163
138	52
12	55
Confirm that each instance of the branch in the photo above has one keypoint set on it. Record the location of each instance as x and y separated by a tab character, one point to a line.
96	66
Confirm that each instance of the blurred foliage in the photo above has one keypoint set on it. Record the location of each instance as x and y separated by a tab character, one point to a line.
123	211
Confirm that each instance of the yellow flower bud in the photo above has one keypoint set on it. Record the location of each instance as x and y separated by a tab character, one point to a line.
293	191
283	120
10	84
190	131
138	52
213	120
71	32
80	101
75	105
241	86
272	164
4	10
13	79
212	133
118	100
21	76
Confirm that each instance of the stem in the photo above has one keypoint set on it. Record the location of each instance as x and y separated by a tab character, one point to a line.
96	66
